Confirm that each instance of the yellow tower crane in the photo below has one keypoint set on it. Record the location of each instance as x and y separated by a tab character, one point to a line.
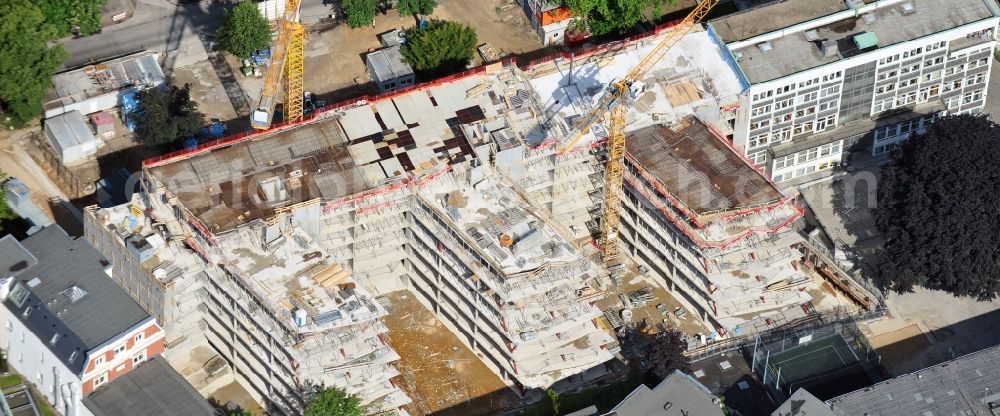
287	55
611	104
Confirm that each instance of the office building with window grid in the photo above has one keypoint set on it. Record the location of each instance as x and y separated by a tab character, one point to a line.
828	78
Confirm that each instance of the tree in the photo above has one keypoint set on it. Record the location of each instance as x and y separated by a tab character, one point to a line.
27	63
360	13
440	47
165	114
415	7
6	212
554	399
936	210
658	354
331	401
243	30
73	16
602	17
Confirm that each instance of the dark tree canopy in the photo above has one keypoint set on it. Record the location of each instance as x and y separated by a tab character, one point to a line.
658	354
360	13
440	47
332	401
83	16
414	7
243	30
26	61
937	204
166	114
602	17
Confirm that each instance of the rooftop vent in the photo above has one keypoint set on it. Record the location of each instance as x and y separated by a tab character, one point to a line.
812	35
866	40
829	48
869	18
74	293
765	46
855	4
907	8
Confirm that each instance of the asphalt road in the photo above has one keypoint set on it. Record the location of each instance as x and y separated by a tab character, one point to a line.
161	26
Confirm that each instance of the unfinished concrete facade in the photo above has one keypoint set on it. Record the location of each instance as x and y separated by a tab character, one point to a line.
456	192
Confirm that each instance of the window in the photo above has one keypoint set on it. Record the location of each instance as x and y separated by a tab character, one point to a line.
908	83
803	128
27	312
972	97
763	95
784	162
885	88
828	91
9	325
781	136
758	158
138	338
757	141
935	46
908	69
826	106
760	124
885	133
932	76
888	59
827	122
783	104
55	338
807	83
100	380
887	75
73	355
808	97
120	349
760	110
784	89
99	361
805	111
833	76
954	69
138	358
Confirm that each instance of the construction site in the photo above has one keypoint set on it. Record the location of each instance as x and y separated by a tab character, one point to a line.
300	255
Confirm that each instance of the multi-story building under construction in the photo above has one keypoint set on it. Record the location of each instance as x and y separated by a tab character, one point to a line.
273	247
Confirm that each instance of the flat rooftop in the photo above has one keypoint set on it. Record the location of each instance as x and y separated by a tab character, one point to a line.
698	169
293	272
235	184
967	385
91	80
421	130
155	388
793	52
692	77
772	16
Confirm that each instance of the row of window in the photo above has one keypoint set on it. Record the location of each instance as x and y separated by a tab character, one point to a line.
788	88
808	155
911	53
903	129
805	170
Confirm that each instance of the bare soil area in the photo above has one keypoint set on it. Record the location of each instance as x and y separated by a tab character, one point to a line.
439	373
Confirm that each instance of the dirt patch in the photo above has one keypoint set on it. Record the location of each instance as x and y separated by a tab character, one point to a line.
206	90
335	66
236	394
900	346
438	372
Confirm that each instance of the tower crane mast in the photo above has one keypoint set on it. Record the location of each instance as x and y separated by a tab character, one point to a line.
287	59
612	104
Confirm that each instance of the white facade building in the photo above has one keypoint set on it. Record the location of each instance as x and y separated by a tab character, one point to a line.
819	88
